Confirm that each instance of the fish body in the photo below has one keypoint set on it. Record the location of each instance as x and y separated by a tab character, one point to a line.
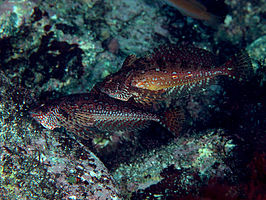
194	9
95	114
156	80
171	71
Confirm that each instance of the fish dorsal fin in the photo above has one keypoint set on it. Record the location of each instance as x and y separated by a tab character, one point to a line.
128	62
135	64
182	57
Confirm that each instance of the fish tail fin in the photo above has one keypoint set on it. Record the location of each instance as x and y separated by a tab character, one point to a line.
240	66
172	119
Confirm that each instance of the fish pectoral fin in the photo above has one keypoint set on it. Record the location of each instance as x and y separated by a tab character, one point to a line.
76	128
84	119
149	97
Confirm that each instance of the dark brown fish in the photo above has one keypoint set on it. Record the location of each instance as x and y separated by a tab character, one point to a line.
96	114
171	71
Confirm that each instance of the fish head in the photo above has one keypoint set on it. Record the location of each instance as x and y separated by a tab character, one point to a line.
47	116
117	86
117	90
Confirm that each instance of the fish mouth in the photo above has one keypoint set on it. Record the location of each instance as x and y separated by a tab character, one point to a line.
35	115
32	113
36	110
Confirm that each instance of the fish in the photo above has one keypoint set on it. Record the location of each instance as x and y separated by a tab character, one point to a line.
194	9
93	114
172	71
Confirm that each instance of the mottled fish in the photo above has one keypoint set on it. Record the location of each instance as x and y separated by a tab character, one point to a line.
171	71
95	114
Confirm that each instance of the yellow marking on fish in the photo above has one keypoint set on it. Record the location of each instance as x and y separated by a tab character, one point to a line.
174	76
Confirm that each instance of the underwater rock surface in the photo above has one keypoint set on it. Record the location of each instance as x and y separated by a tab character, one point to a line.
199	155
35	164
